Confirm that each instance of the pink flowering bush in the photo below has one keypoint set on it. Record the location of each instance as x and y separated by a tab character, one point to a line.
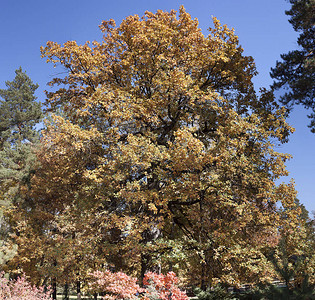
21	289
163	287
115	285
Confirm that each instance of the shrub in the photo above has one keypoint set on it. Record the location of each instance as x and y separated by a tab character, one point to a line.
218	292
118	285
21	289
115	285
162	287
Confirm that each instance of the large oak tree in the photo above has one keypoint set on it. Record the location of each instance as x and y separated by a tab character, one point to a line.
161	156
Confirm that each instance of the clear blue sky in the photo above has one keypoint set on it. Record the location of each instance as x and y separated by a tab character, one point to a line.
262	27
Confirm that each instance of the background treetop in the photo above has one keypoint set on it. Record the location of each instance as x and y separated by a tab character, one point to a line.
296	71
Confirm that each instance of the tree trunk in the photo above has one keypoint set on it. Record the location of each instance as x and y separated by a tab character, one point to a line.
149	235
172	236
78	290
66	292
203	282
144	266
54	287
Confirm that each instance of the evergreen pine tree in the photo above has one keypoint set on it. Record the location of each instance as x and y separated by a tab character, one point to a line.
19	113
296	70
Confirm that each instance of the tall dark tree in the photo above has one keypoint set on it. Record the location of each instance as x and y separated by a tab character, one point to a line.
296	71
19	113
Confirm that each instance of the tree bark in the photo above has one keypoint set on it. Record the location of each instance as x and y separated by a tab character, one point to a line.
78	290
66	292
150	235
203	282
54	287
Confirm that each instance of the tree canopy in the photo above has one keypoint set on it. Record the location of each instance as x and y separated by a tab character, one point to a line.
158	155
